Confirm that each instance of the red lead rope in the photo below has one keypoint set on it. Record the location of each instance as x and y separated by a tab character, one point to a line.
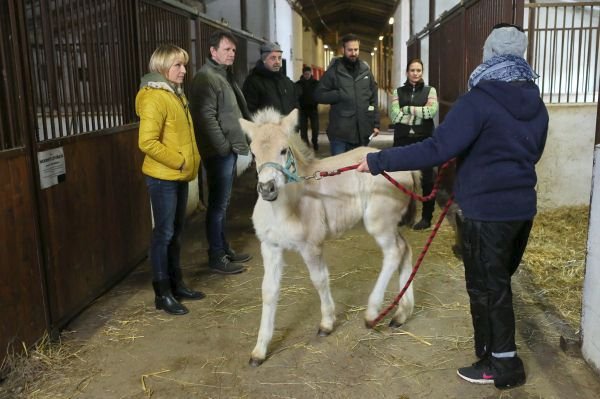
429	239
416	266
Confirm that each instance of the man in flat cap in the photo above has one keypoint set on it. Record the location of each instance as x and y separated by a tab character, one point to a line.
308	106
267	86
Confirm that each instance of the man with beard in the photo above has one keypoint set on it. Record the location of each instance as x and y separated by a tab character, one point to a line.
267	86
350	88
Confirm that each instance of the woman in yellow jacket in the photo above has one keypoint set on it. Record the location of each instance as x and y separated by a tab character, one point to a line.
166	136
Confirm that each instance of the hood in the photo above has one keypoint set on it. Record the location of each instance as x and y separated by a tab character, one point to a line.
521	99
158	81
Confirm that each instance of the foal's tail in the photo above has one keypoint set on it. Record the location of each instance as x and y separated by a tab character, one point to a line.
408	218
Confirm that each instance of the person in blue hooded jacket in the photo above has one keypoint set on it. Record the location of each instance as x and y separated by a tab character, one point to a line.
496	132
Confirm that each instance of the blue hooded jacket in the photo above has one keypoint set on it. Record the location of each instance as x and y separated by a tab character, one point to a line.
497	132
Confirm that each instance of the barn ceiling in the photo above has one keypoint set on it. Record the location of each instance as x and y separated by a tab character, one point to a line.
331	19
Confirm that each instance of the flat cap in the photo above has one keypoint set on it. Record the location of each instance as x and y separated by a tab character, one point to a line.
270	47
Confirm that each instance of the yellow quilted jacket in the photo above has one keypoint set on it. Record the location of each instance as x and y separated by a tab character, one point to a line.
166	133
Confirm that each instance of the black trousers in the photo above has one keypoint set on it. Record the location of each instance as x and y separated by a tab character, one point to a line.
311	114
427	175
492	252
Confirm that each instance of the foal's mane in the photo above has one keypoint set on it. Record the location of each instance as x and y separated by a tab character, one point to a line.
302	152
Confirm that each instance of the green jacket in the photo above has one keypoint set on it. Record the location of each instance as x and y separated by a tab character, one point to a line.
354	110
217	104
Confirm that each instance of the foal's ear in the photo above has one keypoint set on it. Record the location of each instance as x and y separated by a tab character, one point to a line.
247	127
289	122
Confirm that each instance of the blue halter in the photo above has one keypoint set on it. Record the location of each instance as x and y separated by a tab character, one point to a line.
289	170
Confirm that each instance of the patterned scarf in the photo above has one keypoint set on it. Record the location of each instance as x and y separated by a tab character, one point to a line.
506	68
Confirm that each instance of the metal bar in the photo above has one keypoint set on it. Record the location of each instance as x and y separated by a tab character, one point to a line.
589	37
48	44
104	65
74	75
69	102
90	63
595	88
115	60
83	75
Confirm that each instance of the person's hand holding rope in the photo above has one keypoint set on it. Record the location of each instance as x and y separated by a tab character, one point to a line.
363	166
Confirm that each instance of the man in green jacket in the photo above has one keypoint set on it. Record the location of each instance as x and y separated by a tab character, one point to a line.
216	104
349	86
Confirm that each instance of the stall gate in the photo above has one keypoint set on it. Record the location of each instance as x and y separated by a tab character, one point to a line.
74	211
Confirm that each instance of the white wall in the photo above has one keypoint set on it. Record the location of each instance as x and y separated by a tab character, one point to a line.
229	10
565	170
297	48
283	27
590	318
257	19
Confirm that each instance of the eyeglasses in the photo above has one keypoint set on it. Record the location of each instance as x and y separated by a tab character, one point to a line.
507	25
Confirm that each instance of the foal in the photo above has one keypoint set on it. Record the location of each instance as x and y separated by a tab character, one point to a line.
298	214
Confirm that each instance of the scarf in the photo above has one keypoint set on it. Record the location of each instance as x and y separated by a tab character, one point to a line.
505	68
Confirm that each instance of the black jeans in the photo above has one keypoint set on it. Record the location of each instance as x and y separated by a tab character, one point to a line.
311	114
427	175
492	252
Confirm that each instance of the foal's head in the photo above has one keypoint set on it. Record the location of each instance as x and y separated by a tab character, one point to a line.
278	150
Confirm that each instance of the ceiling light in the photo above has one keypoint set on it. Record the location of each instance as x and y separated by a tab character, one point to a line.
381	37
391	21
374	48
325	46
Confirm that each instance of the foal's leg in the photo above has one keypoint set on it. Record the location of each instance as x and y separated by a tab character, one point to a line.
273	264
393	248
407	303
313	257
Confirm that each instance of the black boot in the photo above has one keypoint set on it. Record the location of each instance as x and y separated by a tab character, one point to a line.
180	290
508	372
422	224
165	300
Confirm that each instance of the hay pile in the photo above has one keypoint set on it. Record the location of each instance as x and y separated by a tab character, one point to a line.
555	260
35	371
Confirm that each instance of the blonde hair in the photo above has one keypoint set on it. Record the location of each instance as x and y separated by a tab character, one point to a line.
164	57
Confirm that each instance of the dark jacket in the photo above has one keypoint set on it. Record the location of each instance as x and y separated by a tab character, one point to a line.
217	104
497	131
265	88
409	95
306	91
354	112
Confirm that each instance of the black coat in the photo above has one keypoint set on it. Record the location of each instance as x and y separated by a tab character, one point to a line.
306	90
354	110
265	88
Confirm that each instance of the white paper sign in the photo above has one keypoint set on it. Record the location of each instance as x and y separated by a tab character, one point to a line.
52	167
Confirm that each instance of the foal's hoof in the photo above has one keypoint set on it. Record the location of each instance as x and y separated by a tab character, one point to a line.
369	324
323	332
255	362
395	324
